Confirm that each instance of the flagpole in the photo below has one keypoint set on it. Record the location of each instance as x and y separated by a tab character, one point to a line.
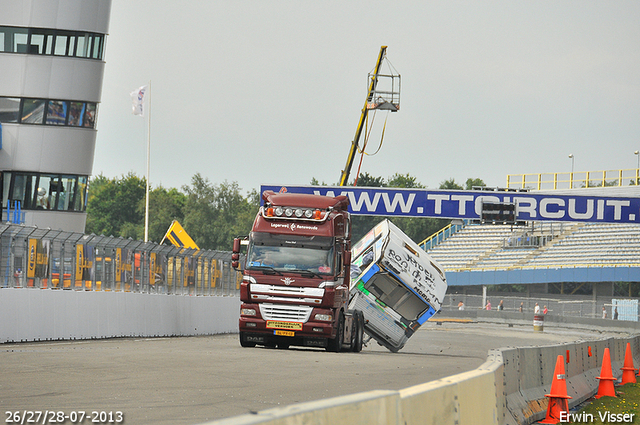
146	210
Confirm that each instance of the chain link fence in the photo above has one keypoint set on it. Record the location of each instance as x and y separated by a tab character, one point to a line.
53	259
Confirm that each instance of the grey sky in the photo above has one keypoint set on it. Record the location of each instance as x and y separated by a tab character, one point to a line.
270	92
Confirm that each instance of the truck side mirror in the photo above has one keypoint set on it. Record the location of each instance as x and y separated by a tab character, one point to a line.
235	255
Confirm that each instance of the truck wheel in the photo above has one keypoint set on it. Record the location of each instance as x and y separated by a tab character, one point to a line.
335	344
359	332
244	343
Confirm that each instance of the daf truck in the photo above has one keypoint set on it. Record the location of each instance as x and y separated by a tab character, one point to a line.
300	287
295	285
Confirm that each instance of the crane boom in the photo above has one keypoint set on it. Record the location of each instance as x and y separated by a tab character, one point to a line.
354	144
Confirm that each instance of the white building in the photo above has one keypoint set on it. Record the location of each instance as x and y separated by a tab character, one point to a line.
51	67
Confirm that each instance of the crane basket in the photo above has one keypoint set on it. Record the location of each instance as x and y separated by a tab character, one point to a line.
385	94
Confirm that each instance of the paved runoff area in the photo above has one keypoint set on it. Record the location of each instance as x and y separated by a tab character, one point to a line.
191	380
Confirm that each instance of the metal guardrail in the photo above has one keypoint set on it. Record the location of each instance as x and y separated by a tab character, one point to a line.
54	259
540	267
556	306
574	180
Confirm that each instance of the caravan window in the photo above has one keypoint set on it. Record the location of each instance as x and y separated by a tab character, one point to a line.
386	288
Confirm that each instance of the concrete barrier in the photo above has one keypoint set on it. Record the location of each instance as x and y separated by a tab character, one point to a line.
508	389
372	407
41	315
466	398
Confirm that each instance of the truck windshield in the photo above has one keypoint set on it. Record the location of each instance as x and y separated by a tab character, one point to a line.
285	253
395	295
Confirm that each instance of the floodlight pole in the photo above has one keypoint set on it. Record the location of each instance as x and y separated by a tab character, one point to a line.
571	177
146	209
636	153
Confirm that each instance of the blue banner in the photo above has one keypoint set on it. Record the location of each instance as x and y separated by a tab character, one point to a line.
467	204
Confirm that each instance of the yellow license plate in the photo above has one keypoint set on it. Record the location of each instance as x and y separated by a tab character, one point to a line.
274	324
284	333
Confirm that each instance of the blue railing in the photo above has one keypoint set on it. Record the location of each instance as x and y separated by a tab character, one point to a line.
441	235
15	215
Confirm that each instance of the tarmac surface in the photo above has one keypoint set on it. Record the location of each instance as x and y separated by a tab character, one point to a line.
191	380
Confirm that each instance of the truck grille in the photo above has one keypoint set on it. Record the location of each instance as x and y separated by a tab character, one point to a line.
275	290
293	313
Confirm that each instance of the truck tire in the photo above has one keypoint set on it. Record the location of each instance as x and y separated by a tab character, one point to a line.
359	332
244	343
335	344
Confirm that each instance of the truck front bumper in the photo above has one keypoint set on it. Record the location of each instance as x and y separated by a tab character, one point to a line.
280	327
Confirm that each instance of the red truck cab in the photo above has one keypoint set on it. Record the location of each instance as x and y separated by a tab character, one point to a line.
295	286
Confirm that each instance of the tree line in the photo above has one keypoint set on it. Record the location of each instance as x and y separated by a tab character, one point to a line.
213	214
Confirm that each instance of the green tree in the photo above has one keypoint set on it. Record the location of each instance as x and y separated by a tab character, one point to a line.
450	184
367	180
406	181
199	212
215	214
117	207
315	182
416	228
112	203
470	183
165	205
235	214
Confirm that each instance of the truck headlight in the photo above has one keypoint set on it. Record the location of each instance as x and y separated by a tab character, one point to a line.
324	317
248	312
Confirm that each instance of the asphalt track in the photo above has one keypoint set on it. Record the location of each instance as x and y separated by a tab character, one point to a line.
191	380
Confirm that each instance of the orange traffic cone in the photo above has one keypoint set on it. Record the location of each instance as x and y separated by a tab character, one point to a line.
605	388
628	371
558	395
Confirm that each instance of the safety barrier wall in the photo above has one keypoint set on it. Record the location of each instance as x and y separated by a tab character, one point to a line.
64	285
508	389
39	315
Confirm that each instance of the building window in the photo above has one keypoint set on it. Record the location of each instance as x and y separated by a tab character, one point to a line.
9	109
89	119
57	112
32	111
23	190
20	41
80	199
76	112
48	112
37	43
40	41
44	191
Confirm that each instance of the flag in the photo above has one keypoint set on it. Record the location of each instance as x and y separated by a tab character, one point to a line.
137	97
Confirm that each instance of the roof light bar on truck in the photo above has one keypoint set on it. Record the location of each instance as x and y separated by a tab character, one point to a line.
294	213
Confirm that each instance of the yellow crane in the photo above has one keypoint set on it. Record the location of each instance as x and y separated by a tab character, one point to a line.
383	98
179	237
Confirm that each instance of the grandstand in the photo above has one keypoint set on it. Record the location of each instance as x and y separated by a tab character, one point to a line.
566	265
539	245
